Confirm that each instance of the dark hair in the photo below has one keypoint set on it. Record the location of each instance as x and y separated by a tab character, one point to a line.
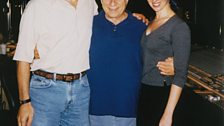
174	5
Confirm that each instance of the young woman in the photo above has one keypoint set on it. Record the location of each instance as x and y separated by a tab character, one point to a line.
166	36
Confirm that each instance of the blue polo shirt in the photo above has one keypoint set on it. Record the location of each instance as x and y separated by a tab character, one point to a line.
115	66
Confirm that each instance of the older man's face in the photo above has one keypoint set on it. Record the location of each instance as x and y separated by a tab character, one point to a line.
114	8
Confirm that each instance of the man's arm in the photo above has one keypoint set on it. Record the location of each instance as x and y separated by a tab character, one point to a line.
141	17
166	67
25	114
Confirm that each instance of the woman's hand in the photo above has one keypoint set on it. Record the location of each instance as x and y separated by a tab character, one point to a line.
166	120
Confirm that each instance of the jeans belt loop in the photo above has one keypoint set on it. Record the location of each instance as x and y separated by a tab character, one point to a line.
54	76
80	75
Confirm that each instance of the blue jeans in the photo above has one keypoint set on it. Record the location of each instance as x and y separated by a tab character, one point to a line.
109	120
58	103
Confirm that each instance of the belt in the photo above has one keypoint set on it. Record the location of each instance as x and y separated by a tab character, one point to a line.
63	77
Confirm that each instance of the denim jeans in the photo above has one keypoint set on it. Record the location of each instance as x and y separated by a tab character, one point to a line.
108	120
58	103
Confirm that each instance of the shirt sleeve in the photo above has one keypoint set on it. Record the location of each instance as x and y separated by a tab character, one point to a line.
26	42
181	43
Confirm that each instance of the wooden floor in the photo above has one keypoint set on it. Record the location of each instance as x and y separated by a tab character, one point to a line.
209	60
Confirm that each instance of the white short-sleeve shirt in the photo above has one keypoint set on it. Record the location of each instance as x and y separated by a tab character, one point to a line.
61	33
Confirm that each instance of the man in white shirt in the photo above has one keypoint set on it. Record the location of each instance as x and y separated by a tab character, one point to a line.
58	91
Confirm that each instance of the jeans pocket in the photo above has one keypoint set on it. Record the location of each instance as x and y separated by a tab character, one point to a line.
84	81
40	82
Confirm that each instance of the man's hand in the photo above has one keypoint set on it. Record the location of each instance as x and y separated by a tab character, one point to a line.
25	115
141	17
166	67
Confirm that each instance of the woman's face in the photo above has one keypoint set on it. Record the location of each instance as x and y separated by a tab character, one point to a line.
158	5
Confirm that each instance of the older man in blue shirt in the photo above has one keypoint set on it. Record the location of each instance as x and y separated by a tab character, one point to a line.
115	61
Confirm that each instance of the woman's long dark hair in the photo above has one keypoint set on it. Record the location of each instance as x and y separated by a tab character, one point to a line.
174	5
177	8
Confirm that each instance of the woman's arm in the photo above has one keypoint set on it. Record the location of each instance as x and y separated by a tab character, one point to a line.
181	50
174	96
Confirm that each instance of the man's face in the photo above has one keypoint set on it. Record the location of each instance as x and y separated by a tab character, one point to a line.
114	9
